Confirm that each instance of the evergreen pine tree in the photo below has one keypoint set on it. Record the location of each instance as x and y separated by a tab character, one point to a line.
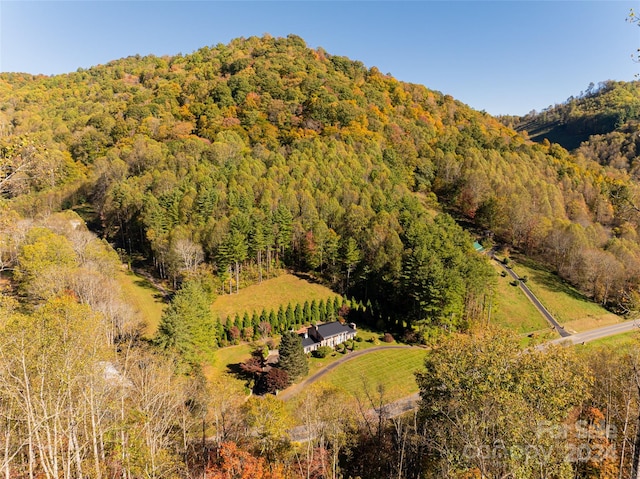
221	332
257	321
273	319
188	326
292	357
290	318
323	310
315	312
264	317
306	313
337	302
258	245
281	320
299	315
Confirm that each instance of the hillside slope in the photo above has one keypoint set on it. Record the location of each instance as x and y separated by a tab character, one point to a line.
604	109
264	152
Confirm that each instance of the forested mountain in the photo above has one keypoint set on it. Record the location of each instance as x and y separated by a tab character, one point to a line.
262	151
217	169
609	108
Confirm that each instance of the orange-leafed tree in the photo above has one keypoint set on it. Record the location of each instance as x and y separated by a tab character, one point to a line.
235	463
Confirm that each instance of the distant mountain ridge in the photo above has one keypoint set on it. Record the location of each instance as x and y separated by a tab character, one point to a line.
608	107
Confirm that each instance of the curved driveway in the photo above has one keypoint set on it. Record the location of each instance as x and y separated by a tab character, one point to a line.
410	403
293	390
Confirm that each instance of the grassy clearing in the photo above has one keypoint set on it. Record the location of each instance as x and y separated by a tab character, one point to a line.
619	343
571	309
270	294
369	340
513	310
392	369
227	359
146	300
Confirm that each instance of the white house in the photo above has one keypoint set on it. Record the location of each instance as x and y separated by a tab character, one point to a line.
328	334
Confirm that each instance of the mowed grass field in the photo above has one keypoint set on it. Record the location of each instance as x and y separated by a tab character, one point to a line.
270	294
392	369
572	310
227	359
146	300
513	310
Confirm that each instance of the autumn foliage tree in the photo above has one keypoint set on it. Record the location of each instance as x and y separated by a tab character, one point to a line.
234	463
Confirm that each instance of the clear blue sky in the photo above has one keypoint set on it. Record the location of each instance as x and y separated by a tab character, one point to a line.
506	57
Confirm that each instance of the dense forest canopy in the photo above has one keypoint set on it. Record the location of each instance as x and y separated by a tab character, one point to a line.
220	168
264	153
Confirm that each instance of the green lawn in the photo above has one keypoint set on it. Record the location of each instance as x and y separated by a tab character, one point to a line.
619	342
270	294
227	359
369	340
145	299
570	308
392	369
513	310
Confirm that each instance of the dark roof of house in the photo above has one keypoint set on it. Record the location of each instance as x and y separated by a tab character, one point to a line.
307	342
333	329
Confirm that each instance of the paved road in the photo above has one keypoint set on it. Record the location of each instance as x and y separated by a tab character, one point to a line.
410	403
536	302
592	335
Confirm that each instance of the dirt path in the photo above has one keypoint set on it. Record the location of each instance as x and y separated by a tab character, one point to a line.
293	390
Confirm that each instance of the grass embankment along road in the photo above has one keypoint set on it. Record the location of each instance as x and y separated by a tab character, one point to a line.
620	343
514	311
569	307
600	334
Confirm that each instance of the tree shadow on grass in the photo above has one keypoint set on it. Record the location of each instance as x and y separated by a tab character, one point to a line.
309	278
551	280
158	295
236	370
252	381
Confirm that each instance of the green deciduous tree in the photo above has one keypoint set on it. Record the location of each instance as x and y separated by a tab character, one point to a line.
269	419
44	263
488	405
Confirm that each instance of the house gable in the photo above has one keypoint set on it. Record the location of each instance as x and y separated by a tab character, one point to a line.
328	334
